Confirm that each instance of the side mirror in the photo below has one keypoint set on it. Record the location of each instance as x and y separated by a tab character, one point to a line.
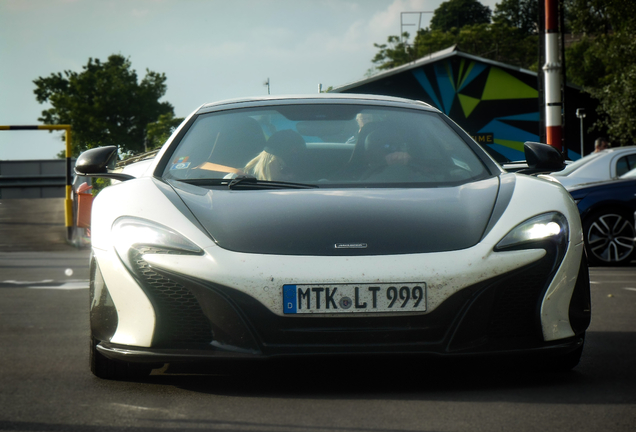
98	162
542	158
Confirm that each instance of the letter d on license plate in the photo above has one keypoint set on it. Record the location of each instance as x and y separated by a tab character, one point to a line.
354	298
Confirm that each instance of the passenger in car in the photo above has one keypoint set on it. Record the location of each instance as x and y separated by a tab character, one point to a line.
281	159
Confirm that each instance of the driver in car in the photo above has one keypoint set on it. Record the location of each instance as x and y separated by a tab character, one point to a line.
389	155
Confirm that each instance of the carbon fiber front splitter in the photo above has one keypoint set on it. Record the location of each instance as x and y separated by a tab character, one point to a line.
153	355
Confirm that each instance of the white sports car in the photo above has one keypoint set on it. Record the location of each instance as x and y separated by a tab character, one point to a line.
330	225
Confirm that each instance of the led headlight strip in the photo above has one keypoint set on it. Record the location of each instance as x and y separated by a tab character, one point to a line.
548	226
130	233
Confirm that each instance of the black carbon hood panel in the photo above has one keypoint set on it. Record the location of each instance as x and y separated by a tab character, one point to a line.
374	221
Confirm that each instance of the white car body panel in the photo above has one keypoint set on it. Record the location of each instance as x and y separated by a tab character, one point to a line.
136	315
262	276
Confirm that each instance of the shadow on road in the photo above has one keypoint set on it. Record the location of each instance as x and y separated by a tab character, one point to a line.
604	376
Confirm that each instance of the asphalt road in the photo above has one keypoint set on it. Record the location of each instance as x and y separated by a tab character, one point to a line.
45	383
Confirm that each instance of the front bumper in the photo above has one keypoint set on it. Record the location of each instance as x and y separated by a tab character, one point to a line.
199	320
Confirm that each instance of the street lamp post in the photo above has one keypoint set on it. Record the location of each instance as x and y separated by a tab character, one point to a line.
580	113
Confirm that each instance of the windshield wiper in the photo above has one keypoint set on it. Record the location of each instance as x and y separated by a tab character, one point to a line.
248	182
241	179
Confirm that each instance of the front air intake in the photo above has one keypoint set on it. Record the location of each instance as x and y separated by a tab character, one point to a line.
180	320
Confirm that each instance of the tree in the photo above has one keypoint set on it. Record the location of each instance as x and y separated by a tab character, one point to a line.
500	42
596	17
603	62
495	41
607	71
522	14
105	104
466	23
161	130
459	13
394	53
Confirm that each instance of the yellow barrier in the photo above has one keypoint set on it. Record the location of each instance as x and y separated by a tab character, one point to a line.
68	203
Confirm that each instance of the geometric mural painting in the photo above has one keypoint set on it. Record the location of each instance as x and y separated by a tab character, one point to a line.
465	90
497	104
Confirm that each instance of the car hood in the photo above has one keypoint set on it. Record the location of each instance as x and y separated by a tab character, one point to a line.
357	221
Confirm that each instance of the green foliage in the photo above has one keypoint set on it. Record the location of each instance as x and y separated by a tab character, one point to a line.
500	42
459	13
394	53
99	184
159	131
616	88
495	41
595	17
603	62
521	14
585	66
105	103
510	39
429	41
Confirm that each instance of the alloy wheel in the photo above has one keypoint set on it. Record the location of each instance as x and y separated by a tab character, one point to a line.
611	238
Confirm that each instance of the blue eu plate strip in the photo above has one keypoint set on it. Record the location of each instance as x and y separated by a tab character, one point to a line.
289	299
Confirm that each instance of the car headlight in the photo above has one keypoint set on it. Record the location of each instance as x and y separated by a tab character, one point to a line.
551	226
133	235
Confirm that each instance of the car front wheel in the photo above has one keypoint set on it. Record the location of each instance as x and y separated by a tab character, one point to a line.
610	238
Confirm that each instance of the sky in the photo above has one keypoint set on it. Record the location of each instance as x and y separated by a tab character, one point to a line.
210	50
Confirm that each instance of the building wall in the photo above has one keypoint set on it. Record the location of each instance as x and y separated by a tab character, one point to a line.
33	178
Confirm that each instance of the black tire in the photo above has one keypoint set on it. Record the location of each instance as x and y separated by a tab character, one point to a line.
105	368
609	238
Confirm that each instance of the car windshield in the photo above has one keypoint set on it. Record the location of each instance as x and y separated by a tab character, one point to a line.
324	145
578	164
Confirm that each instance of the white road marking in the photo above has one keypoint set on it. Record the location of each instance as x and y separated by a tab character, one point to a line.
169	412
630	289
626	282
73	284
135	407
15	282
64	286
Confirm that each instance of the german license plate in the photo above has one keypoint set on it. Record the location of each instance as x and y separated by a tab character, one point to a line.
354	298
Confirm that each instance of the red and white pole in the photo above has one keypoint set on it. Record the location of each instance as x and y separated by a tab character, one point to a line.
552	76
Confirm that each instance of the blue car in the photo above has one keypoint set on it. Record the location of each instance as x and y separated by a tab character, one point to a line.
608	213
